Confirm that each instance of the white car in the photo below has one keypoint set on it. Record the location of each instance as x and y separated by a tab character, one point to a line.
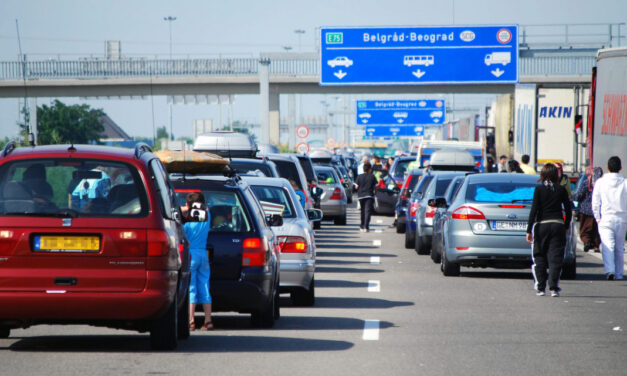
401	115
435	114
365	115
296	237
340	61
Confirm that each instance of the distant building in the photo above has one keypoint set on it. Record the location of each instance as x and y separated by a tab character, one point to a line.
113	135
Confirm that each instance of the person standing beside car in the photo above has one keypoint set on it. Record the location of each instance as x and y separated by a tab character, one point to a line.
547	229
196	228
588	227
366	185
609	204
524	166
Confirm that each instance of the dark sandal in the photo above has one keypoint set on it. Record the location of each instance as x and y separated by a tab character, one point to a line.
207	326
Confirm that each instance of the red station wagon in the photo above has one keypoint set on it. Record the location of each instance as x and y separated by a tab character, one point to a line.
91	235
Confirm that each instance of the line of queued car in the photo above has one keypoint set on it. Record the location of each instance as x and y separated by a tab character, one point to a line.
462	218
94	235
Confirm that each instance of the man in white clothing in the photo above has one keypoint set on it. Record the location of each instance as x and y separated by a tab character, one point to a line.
609	204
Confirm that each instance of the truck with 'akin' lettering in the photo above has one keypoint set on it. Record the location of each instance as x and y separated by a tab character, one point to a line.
607	120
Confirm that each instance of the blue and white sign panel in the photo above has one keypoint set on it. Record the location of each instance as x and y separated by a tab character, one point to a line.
419	55
395	131
397	112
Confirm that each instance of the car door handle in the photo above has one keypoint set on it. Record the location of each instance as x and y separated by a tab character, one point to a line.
65	281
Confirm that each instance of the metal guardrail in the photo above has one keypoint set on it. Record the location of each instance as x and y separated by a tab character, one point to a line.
102	69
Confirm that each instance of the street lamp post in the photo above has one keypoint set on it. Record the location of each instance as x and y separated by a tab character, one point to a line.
169	19
299	32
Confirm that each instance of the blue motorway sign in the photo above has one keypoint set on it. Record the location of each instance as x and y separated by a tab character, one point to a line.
395	131
397	112
419	55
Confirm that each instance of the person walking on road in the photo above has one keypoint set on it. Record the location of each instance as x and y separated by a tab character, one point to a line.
502	163
547	229
524	166
588	228
197	232
609	204
366	185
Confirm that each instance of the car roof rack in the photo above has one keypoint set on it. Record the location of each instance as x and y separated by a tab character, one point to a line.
141	148
9	148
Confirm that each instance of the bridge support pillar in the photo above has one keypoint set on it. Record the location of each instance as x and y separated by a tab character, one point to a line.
264	97
274	118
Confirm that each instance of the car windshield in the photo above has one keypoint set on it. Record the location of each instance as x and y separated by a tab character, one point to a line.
71	188
244	167
325	176
401	168
500	192
225	209
288	170
274	200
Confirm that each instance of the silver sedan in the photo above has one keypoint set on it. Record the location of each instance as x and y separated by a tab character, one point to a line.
485	225
333	201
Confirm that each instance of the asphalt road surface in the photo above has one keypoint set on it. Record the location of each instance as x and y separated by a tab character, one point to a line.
380	309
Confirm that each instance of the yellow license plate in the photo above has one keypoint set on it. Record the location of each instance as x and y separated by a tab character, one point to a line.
67	243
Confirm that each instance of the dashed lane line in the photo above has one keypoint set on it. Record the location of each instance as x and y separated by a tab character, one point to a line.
374	286
376	243
371	330
375	260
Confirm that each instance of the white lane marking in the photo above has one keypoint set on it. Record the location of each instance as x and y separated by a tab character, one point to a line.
378	230
376	243
379	221
371	330
375	260
374	286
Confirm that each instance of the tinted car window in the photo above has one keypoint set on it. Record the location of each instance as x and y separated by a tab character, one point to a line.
421	187
288	171
412	183
305	163
244	167
326	176
274	200
401	168
500	192
225	208
453	189
71	187
441	185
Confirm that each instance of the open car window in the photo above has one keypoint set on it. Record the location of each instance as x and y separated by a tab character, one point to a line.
226	212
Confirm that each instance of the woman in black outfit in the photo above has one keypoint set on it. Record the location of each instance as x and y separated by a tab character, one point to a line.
549	221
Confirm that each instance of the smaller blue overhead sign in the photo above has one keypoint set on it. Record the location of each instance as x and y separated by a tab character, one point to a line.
395	131
401	112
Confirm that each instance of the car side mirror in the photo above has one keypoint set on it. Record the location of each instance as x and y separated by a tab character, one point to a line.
314	215
176	215
274	220
431	203
440	202
317	192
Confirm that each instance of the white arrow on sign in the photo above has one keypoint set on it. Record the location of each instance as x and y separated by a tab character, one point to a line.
339	74
497	72
364	121
418	73
400	120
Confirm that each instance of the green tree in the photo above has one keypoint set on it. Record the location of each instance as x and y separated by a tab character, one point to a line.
60	123
162	132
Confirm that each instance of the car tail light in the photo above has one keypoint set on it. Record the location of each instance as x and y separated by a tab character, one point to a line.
7	241
381	184
254	252
132	243
405	192
467	212
414	208
478	164
158	243
187	190
341	180
292	244
462	248
337	194
507	206
430	212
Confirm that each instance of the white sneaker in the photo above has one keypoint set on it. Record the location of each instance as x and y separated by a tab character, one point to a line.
555	294
540	292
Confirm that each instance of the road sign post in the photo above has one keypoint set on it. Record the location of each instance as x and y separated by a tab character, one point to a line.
419	55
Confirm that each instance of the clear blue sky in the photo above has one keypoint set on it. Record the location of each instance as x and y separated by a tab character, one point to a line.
79	28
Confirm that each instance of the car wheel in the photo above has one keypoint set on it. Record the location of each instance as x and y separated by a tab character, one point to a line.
421	247
264	318
340	220
164	330
569	271
5	332
409	239
304	297
448	268
277	303
400	227
349	199
183	324
435	256
317	225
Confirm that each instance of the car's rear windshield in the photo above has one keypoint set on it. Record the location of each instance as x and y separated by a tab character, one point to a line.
326	176
500	192
288	170
401	168
244	167
226	212
422	186
441	185
274	200
71	188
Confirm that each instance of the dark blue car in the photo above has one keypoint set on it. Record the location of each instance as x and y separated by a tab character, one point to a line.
412	207
403	198
243	251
